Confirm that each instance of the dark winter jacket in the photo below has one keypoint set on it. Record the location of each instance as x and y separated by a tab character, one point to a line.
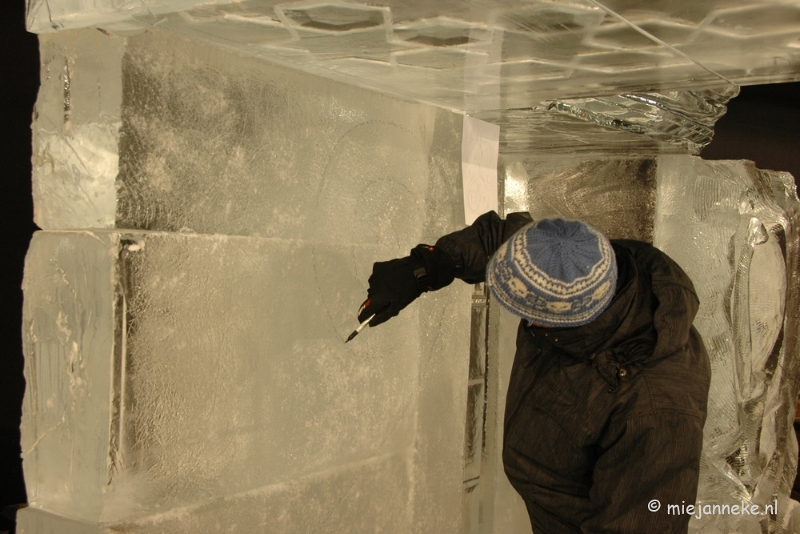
604	422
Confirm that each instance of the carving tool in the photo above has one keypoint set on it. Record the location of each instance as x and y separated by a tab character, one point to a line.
360	327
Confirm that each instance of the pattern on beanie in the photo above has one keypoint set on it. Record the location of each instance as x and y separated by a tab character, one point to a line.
554	273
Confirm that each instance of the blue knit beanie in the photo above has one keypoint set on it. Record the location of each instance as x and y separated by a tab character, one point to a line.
554	273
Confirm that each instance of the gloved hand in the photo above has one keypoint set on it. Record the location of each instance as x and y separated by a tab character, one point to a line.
395	284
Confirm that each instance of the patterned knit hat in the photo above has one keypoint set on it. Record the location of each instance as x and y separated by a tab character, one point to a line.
554	273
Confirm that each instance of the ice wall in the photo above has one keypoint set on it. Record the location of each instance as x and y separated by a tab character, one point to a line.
614	194
187	306
734	230
228	374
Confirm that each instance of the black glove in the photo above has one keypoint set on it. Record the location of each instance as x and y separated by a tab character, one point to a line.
394	284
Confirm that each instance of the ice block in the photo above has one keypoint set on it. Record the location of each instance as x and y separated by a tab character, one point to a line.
171	134
170	375
310	176
733	229
616	195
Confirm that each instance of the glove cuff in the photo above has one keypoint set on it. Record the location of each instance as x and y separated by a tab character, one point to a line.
433	269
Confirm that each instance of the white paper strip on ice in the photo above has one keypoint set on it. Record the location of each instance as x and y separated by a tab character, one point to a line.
480	144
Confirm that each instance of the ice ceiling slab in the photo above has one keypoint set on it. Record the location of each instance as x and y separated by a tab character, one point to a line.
481	55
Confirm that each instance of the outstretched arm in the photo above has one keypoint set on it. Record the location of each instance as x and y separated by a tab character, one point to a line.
464	254
472	247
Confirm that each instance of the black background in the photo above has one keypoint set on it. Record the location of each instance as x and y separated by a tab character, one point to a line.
762	124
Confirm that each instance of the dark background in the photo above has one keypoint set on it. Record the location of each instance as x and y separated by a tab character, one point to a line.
20	81
762	124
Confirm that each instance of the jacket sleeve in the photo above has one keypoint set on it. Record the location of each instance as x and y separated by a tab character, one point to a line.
472	247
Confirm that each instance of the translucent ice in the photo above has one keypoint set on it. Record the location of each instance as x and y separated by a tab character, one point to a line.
200	138
76	131
166	371
482	56
734	230
222	383
616	195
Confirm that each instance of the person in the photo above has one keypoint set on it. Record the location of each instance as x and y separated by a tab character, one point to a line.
606	402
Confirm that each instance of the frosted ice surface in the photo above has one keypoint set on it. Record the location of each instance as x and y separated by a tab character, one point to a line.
365	497
227	374
734	231
225	356
360	497
230	373
214	142
502	505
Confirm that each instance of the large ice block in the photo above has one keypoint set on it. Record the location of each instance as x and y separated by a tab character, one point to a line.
175	135
168	371
332	178
734	230
76	126
485	55
362	497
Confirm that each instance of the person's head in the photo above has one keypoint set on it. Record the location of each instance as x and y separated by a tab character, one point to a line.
554	273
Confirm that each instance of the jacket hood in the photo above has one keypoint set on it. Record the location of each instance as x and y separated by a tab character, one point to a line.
677	302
